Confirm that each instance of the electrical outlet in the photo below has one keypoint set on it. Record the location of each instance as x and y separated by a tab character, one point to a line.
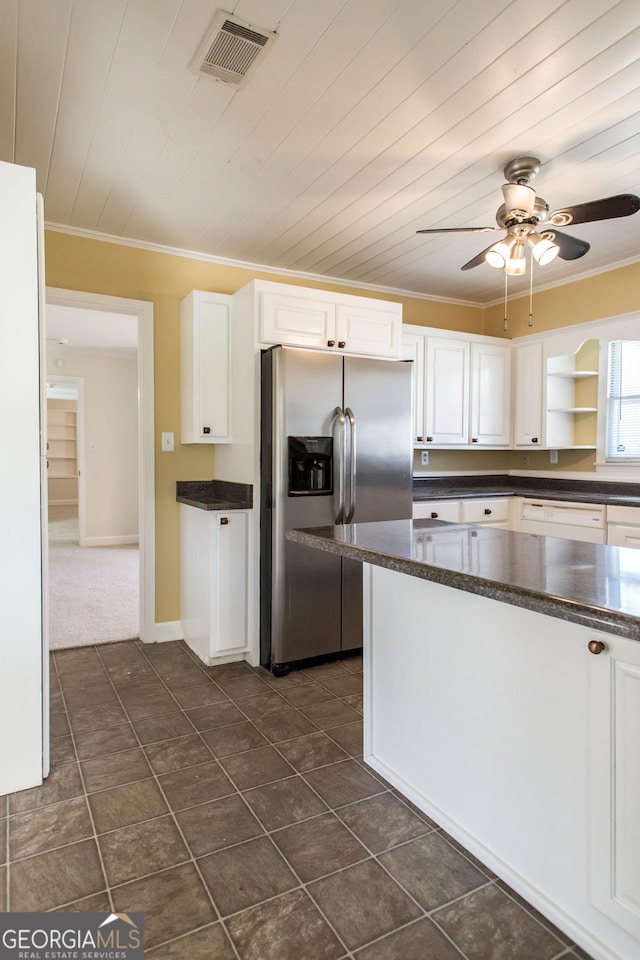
424	458
167	443
524	459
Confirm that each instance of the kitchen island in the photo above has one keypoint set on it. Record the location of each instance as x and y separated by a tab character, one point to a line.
502	696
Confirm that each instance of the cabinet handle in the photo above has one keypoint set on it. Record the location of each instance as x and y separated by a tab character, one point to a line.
331	343
342	343
596	646
206	429
419	439
224	521
487	511
428	439
474	439
534	439
434	515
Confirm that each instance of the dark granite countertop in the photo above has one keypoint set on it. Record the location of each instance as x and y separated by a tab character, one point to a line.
543	488
215	494
586	583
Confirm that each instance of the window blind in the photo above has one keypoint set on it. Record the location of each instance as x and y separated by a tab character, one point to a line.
623	401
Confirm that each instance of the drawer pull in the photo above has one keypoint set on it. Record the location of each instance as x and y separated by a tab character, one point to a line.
342	343
434	515
419	439
224	521
596	646
534	439
331	343
487	511
474	439
428	439
206	430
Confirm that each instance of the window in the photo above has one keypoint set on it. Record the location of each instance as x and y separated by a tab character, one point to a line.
623	401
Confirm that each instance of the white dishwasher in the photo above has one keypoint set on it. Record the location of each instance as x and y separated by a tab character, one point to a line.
558	518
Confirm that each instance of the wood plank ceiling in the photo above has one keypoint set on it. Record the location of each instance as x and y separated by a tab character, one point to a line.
367	120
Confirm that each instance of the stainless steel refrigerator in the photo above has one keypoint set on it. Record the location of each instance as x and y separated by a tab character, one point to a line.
336	448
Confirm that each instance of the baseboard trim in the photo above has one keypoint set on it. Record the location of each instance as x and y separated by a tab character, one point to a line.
122	541
167	631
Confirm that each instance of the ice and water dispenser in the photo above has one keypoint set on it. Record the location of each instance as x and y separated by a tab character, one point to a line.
310	466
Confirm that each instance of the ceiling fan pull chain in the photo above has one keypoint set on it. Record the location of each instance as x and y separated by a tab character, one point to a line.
506	283
530	324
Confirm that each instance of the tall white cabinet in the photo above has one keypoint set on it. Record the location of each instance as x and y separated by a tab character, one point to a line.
23	677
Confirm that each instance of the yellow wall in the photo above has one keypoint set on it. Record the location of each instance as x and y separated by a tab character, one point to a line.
594	298
93	266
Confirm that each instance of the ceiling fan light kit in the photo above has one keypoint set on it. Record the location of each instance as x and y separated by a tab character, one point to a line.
523	211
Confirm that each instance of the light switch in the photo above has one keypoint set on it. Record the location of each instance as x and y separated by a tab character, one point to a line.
167	443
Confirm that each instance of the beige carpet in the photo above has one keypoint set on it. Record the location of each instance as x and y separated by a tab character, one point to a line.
94	592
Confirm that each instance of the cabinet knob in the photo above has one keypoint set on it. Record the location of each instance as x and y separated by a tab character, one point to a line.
428	439
331	343
434	515
487	511
342	343
206	429
596	646
474	439
224	521
419	439
534	439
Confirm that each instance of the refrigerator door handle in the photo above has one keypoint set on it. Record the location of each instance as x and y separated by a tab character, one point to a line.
352	466
342	459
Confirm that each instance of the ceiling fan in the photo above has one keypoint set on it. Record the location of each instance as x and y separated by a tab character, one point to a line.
523	212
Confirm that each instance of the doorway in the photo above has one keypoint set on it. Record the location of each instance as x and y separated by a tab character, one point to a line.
96	322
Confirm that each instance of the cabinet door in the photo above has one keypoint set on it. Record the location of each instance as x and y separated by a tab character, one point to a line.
614	778
413	349
370	330
297	321
447	391
623	535
528	399
490	394
205	368
229	567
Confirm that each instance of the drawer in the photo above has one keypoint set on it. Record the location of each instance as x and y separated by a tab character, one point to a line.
623	514
487	510
437	510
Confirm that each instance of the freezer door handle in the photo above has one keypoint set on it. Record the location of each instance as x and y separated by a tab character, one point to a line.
342	459
352	466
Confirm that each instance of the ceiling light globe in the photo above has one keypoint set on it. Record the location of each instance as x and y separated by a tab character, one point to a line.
494	258
545	251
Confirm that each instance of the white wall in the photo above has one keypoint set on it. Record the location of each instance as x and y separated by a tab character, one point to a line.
110	440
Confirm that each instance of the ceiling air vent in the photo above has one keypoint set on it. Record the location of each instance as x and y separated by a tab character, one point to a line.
231	50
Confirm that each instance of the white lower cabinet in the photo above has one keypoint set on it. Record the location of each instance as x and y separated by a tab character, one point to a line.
614	775
623	526
215	582
448	510
489	511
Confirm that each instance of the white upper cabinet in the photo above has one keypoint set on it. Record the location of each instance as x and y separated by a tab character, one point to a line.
528	394
490	394
447	391
205	361
321	320
462	388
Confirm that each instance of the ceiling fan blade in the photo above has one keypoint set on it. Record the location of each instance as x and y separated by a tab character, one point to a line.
622	205
476	260
571	248
460	230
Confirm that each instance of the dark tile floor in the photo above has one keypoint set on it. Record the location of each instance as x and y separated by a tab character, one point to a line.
234	809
